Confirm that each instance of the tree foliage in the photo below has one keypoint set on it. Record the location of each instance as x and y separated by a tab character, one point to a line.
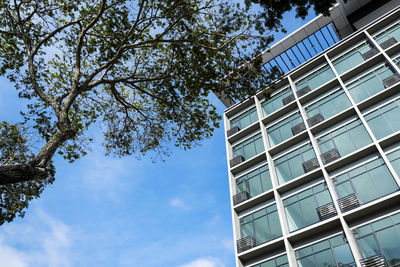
273	10
143	70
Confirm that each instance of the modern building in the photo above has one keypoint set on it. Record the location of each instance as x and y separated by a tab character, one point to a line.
314	170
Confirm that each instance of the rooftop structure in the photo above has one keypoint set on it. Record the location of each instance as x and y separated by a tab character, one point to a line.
314	171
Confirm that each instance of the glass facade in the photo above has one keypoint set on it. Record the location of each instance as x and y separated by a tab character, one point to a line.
281	261
385	120
329	106
397	61
369	84
301	208
346	139
368	182
275	102
331	252
381	238
316	79
247	118
255	182
305	194
394	158
263	225
290	165
249	148
281	130
393	31
352	58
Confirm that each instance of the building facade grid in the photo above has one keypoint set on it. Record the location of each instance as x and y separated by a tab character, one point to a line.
343	221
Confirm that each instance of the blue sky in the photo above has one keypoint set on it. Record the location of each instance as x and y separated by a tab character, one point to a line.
104	211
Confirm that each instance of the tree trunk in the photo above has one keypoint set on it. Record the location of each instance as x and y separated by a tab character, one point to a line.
10	174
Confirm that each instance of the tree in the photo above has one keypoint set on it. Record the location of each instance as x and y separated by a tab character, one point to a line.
142	69
273	10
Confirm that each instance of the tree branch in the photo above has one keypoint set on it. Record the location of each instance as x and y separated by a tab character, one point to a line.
17	173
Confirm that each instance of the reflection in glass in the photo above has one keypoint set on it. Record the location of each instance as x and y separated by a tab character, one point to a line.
381	238
281	131
249	148
255	182
345	139
316	79
370	84
301	208
328	253
275	102
281	261
369	181
290	165
329	106
263	225
351	59
245	119
385	120
393	31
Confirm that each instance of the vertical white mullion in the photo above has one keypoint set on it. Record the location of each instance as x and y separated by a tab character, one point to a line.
274	182
388	59
232	191
351	237
364	122
328	181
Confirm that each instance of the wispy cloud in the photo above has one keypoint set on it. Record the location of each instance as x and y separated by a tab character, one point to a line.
204	262
179	203
102	175
11	257
49	243
228	244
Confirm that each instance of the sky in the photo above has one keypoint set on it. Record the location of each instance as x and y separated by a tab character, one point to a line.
103	211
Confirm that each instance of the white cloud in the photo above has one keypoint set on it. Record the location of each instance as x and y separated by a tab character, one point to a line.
102	175
179	203
204	262
11	257
42	241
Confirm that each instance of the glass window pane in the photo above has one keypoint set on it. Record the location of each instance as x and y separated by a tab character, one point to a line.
324	253
307	262
390	245
369	84
324	258
275	102
263	225
250	147
316	79
245	119
343	255
290	165
368	246
351	58
301	209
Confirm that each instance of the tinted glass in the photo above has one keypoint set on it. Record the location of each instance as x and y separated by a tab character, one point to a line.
290	165
369	181
329	106
351	59
370	84
316	79
255	182
282	130
245	119
275	102
250	147
263	225
301	208
385	120
345	139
